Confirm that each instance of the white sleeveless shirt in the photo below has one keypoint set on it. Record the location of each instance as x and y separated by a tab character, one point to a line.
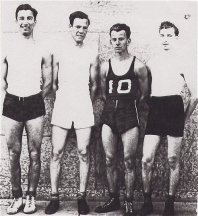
24	59
73	102
166	76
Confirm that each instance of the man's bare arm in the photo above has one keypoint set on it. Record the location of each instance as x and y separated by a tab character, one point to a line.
55	74
142	74
192	86
103	74
94	69
4	83
47	75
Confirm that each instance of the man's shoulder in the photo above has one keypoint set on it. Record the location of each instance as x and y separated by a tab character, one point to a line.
138	63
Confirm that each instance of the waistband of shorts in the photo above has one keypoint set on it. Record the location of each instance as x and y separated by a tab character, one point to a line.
166	97
22	98
125	99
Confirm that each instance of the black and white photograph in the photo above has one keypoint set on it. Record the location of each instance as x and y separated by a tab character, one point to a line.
99	108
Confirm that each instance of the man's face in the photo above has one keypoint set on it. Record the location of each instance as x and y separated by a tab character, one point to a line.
79	29
26	22
119	41
167	38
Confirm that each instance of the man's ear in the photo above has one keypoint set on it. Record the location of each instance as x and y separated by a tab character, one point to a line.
128	41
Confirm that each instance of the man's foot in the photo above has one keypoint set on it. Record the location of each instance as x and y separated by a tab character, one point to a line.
147	208
53	205
83	207
30	204
128	208
169	206
112	204
15	206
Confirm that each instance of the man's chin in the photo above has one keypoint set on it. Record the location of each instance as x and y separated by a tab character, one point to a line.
24	33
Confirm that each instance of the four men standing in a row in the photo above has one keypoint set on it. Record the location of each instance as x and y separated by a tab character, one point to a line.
75	78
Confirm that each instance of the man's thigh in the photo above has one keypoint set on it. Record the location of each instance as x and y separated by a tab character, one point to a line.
13	132
83	137
150	145
59	136
174	145
109	140
130	141
35	129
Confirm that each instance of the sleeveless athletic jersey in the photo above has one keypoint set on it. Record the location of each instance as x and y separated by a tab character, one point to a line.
122	87
73	102
24	67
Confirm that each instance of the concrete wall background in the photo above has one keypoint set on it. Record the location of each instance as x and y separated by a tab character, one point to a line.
144	19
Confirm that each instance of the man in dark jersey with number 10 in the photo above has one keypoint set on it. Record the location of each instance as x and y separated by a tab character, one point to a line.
123	78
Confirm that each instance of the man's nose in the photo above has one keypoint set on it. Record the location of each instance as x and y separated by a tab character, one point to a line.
25	22
117	42
81	30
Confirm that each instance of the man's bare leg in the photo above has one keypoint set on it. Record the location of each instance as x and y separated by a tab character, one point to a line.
83	139
59	136
174	145
109	140
13	134
130	141
34	129
150	145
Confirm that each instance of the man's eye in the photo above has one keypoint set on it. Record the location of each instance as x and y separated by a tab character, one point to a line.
30	18
169	35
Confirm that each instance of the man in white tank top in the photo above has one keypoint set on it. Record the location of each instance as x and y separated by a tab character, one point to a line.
25	66
74	81
167	114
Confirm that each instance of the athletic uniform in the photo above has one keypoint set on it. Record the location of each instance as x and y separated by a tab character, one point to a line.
23	100
73	106
166	115
120	110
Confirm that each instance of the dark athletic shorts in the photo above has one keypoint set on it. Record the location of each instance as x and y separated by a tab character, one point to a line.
166	116
23	108
122	117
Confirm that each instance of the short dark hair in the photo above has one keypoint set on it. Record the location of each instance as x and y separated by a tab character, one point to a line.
166	25
120	26
78	14
26	7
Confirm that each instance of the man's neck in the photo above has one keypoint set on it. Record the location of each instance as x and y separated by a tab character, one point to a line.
122	56
27	38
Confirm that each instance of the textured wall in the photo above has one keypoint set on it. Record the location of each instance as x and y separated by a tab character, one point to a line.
103	14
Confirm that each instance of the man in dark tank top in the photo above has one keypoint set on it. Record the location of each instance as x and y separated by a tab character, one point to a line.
124	81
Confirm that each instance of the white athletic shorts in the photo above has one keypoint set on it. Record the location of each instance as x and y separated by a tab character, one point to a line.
76	110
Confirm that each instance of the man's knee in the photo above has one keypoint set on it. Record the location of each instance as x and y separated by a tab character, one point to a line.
56	154
110	160
14	154
173	161
147	162
129	162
